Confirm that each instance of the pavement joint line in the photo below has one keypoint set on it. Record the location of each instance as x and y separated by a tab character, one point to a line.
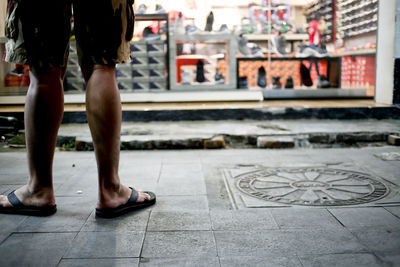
397	216
336	218
144	235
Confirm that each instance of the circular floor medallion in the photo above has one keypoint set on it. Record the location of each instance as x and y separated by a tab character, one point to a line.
311	186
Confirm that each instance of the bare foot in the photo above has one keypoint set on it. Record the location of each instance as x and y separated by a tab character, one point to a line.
116	199
42	198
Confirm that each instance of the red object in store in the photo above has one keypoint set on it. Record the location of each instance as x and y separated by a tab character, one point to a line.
186	60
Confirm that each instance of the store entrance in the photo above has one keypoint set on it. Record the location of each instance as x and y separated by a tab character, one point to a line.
282	49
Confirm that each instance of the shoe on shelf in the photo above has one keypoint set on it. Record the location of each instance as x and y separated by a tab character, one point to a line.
323	82
149	35
276	82
224	29
289	83
160	9
18	71
305	76
243	48
200	72
210	22
142	9
219	78
186	78
262	77
179	29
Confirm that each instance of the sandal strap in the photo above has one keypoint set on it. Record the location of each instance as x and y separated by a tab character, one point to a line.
12	198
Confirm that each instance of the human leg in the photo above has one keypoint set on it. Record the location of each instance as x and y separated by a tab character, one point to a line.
43	46
98	56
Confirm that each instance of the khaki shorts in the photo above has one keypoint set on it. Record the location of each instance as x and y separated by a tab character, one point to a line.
38	31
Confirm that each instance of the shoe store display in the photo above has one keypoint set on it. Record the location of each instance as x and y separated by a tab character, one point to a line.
142	9
18	71
262	77
243	48
210	22
160	9
276	82
224	28
305	76
289	83
219	78
186	78
200	72
149	35
243	83
179	29
323	82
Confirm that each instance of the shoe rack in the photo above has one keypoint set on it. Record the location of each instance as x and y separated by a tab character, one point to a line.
328	11
357	17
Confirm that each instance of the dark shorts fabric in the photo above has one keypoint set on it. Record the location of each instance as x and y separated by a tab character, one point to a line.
38	31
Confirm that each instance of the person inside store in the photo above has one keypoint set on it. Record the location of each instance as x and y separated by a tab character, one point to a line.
38	35
316	29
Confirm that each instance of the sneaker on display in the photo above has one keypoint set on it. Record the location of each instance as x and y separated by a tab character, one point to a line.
142	9
219	78
200	72
289	83
262	77
224	28
210	22
323	82
149	35
276	82
179	29
186	78
243	48
190	29
160	9
18	71
305	76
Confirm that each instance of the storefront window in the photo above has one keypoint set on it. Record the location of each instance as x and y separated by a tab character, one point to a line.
266	45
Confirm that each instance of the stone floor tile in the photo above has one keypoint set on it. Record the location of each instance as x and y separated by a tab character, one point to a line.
251	219
130	262
106	245
272	260
35	249
394	210
181	203
181	187
133	221
180	244
303	218
389	258
71	215
179	221
181	262
341	260
364	217
10	222
300	241
379	239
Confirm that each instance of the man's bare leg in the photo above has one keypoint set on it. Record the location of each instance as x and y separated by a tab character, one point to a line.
103	107
43	113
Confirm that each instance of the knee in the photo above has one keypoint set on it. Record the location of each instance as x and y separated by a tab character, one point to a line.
88	71
47	76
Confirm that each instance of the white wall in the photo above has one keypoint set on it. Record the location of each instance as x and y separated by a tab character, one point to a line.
385	52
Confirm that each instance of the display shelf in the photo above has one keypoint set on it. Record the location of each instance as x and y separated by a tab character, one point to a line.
362	52
206	38
326	9
357	17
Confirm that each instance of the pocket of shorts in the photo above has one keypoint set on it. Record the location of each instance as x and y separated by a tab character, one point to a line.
11	29
130	20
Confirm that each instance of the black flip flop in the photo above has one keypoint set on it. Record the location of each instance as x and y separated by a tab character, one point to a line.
131	205
19	208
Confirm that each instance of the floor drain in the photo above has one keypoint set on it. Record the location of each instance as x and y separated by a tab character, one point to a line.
311	186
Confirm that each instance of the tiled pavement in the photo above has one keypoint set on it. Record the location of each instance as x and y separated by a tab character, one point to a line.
195	221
